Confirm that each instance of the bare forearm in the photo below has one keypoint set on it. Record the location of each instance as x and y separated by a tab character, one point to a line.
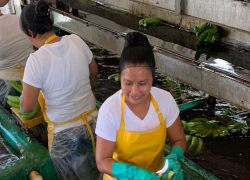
181	143
105	166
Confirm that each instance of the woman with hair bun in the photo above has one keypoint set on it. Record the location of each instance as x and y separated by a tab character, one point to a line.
61	69
133	123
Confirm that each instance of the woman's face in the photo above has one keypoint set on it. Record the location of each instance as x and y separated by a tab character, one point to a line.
136	83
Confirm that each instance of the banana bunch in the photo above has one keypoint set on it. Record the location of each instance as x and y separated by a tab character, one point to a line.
147	21
207	48
234	127
202	127
206	32
194	143
98	51
14	101
115	77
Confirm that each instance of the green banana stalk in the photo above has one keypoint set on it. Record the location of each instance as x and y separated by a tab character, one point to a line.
147	21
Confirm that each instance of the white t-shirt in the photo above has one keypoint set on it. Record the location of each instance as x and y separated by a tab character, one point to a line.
61	70
15	47
109	118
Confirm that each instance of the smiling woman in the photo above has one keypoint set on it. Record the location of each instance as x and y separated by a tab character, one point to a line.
133	123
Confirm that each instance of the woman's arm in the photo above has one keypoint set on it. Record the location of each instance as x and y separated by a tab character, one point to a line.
29	98
104	155
93	70
176	135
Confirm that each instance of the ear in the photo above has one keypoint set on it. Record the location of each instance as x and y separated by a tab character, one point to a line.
31	34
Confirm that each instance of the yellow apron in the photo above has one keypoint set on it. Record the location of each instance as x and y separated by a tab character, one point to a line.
51	125
144	150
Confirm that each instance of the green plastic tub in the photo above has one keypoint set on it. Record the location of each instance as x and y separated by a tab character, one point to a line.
32	156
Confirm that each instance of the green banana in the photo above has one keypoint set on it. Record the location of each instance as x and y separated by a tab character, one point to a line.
234	126
184	124
188	137
147	21
245	130
17	86
14	99
241	126
224	130
234	130
117	78
209	37
199	120
216	35
193	132
208	133
213	30
193	143
199	145
112	76
193	124
219	132
230	123
199	29
12	104
215	133
203	35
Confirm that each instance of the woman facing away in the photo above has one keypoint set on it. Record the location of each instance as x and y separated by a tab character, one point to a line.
61	69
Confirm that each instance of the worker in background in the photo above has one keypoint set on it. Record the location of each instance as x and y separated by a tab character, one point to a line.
15	49
61	69
133	123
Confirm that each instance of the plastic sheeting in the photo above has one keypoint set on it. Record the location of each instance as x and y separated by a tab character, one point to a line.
72	154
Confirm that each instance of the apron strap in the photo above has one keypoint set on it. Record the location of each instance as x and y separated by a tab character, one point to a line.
157	109
51	125
50	38
122	112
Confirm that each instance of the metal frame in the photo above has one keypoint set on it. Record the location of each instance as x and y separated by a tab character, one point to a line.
220	84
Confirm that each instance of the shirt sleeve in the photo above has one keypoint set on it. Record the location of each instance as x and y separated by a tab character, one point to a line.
83	47
172	111
89	53
33	72
106	126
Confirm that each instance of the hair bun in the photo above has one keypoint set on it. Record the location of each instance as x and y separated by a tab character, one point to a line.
41	9
136	39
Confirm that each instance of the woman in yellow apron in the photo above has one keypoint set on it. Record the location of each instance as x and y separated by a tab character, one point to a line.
133	123
59	72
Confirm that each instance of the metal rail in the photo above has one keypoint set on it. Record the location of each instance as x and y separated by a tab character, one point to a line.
218	83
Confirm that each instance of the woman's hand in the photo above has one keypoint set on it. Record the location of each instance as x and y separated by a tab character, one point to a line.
173	163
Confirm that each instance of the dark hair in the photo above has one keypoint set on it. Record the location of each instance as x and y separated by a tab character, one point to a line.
137	51
36	17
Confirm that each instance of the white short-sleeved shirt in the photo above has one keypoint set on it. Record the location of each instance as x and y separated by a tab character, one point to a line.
109	118
15	47
61	70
